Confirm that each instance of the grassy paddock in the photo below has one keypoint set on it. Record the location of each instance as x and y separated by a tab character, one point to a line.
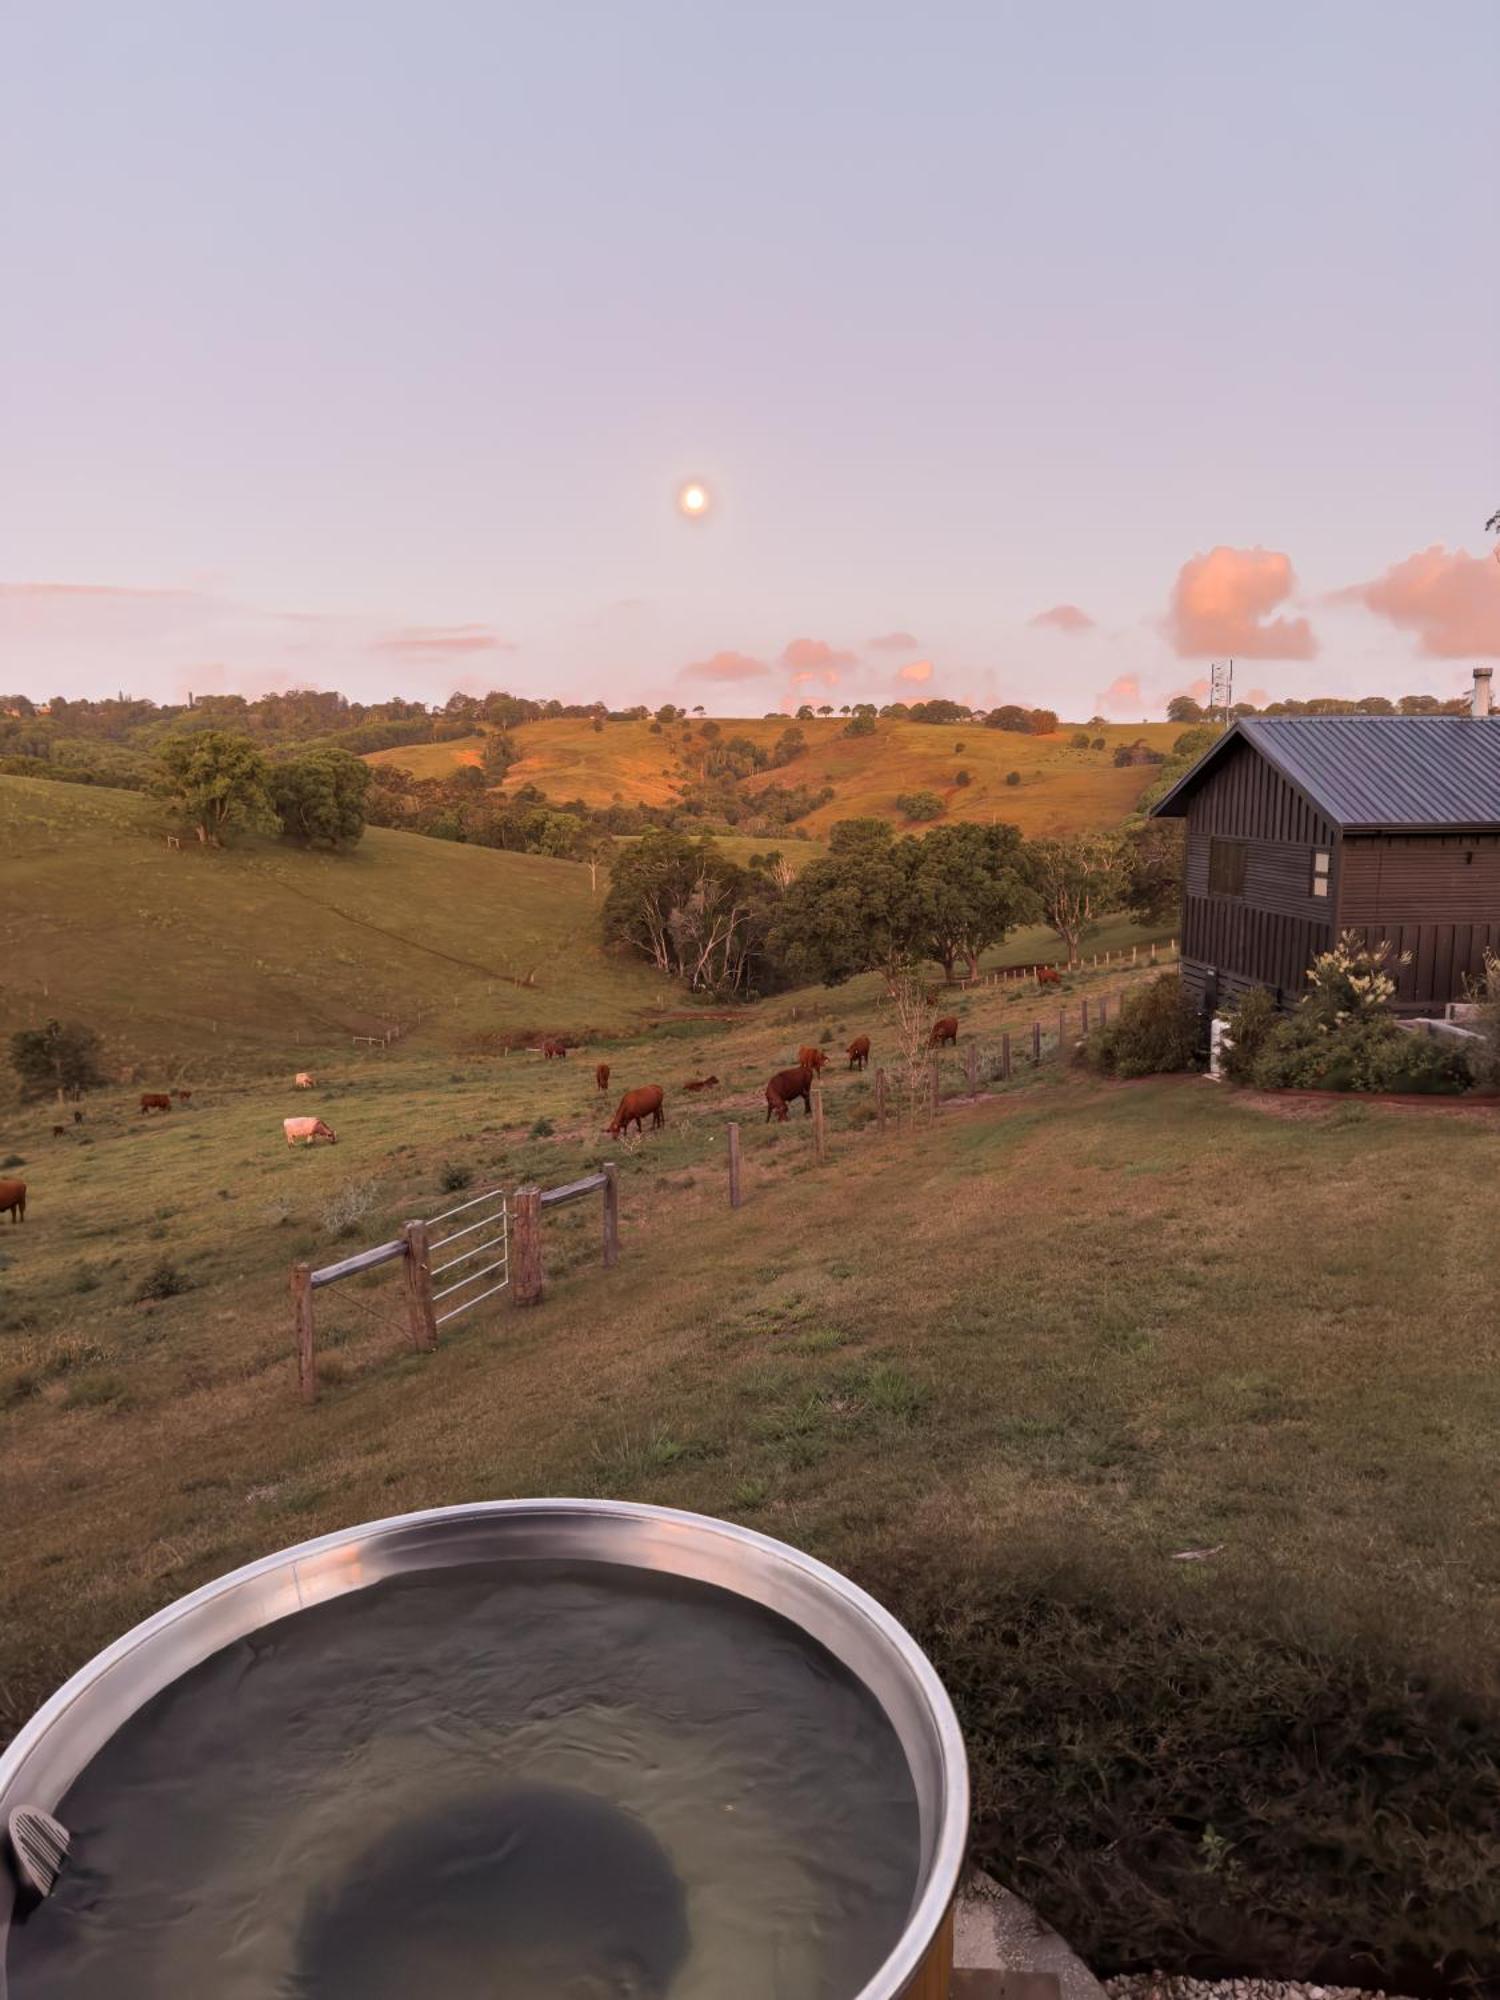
1005	1370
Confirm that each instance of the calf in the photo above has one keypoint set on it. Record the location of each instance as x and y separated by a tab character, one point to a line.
308	1129
636	1105
13	1197
859	1052
304	1081
945	1030
701	1083
811	1058
601	1076
183	1096
155	1100
785	1088
554	1046
1048	975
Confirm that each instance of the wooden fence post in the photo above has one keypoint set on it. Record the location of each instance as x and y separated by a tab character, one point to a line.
1133	950
1005	1055
1036	1041
734	1165
416	1275
302	1319
1153	951
1083	1010
937	1083
611	1215
971	1065
1103	1011
820	1142
527	1282
1062	1028
880	1102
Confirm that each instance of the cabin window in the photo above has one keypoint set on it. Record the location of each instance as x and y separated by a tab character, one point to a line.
1226	867
1322	862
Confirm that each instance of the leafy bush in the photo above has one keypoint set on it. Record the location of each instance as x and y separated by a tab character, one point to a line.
1012	777
919	805
1343	1035
162	1281
1079	740
453	1177
1155	1031
347	1207
1485	1062
1249	1025
963	777
542	1129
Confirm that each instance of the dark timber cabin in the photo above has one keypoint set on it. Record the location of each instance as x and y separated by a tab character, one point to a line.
1302	827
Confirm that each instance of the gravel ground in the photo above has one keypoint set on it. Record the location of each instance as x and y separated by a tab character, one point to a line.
1168	1986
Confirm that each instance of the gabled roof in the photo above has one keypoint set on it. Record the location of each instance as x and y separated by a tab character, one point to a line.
1371	773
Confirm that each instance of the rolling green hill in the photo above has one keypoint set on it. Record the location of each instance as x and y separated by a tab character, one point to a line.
185	959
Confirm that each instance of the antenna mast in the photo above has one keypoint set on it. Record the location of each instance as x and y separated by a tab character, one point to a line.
1221	689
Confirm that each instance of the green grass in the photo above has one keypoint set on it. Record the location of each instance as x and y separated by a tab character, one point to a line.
193	962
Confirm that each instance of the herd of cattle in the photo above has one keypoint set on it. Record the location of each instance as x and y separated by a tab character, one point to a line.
635	1107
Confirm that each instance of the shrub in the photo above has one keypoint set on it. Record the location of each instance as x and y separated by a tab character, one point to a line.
958	749
453	1177
348	1206
1079	739
1249	1025
1097	744
919	805
162	1281
13	1160
963	777
1485	1061
1012	777
1155	1031
1343	1035
542	1129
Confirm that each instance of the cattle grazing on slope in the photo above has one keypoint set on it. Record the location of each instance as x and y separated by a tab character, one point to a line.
601	1076
554	1046
810	1058
785	1088
859	1052
304	1080
636	1105
308	1129
77	1117
701	1083
183	1096
59	1131
945	1030
155	1100
13	1197
1048	975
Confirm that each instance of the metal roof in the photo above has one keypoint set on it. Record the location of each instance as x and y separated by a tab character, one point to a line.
1372	773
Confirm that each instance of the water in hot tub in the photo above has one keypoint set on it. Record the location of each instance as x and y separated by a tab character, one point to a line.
526	1781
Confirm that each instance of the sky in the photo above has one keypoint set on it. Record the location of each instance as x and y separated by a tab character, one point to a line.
1025	353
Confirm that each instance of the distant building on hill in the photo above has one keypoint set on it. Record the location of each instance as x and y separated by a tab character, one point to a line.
1302	827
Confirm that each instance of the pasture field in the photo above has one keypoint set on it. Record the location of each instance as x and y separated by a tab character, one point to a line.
1062	790
1006	1368
195	964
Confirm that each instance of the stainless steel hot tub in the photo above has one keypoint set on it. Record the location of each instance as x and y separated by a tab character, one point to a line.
67	1733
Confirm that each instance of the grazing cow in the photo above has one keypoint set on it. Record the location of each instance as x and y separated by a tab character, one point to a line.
945	1030
155	1100
701	1083
554	1046
785	1088
1048	975
859	1052
308	1129
304	1081
59	1131
636	1105
601	1076
77	1117
13	1197
811	1058
182	1096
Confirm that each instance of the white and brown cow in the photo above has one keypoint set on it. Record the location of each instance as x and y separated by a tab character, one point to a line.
307	1129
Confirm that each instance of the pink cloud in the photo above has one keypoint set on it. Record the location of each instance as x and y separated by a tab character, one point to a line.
1065	618
1221	604
894	642
1449	598
423	640
1198	690
40	592
1258	697
815	656
919	670
1124	691
726	667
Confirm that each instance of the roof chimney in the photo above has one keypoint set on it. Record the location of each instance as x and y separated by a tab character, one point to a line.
1481	699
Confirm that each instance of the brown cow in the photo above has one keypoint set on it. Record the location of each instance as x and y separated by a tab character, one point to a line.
701	1083
155	1100
1048	975
601	1076
785	1088
636	1105
182	1096
552	1046
13	1197
77	1117
859	1052
811	1058
945	1030
59	1131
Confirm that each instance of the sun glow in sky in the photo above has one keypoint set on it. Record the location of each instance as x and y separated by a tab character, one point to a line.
1056	349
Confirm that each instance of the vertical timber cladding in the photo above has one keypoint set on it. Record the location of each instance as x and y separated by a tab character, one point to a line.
1269	935
1435	896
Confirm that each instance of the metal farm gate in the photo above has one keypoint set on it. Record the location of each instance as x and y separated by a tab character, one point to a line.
494	1217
